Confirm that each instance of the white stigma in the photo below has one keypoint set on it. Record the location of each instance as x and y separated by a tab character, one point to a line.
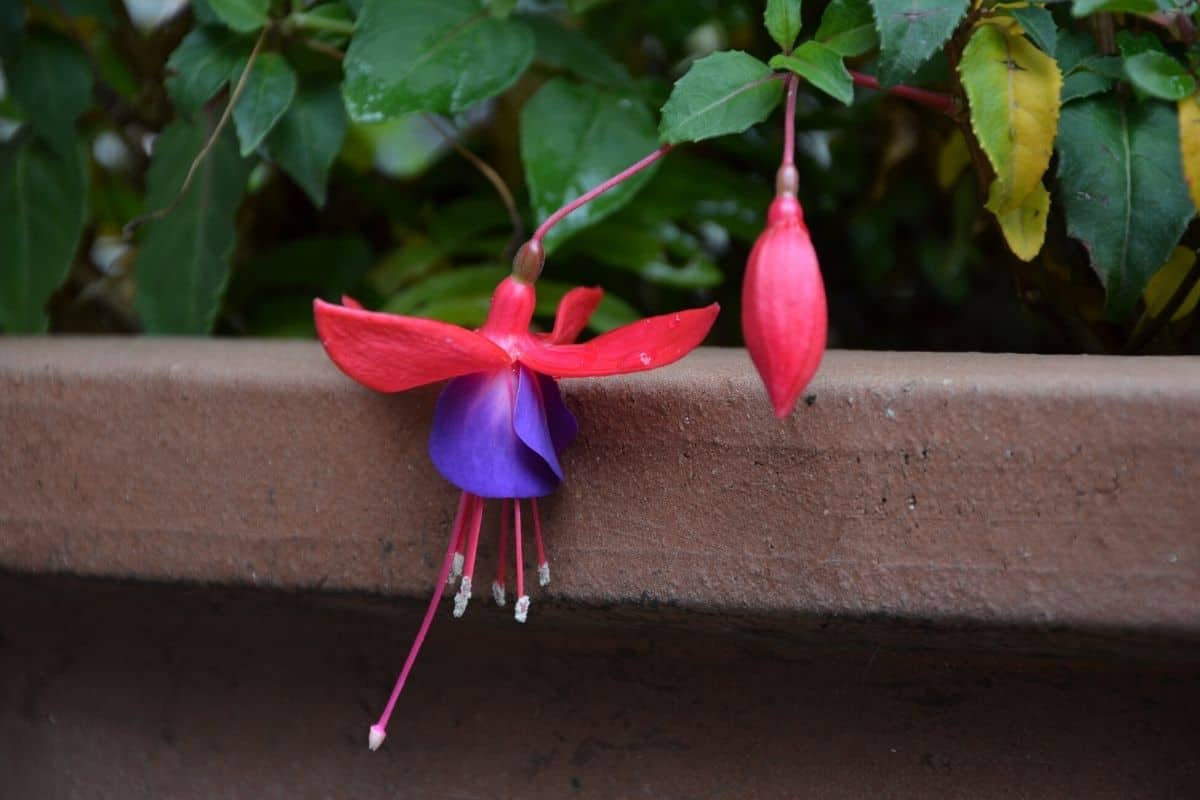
457	568
544	573
498	593
376	737
462	597
521	612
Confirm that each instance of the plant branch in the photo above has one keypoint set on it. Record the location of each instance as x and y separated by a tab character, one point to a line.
936	100
493	177
595	192
136	223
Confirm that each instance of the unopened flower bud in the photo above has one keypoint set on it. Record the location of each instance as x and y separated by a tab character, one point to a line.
784	318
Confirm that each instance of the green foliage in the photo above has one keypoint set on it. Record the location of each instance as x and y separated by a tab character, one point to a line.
244	16
1159	75
1038	24
1123	188
430	55
358	119
594	134
51	80
184	259
43	209
579	55
722	93
309	136
202	64
782	18
268	93
910	31
822	67
848	28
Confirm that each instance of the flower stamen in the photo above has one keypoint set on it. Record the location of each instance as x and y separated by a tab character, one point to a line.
543	566
379	730
457	537
521	610
502	559
464	590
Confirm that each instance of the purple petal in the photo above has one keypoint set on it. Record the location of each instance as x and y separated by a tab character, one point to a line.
529	420
475	446
563	427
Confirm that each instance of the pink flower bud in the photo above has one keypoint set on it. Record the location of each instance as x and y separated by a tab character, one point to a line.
783	305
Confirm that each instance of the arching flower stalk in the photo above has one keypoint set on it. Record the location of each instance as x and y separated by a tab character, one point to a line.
500	422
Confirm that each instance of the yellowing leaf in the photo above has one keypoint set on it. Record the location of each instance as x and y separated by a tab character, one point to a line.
1189	144
1013	90
953	159
1024	227
1166	282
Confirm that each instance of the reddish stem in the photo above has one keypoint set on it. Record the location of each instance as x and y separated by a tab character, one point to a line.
936	100
592	194
789	123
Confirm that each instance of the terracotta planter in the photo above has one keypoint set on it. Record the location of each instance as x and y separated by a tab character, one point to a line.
945	575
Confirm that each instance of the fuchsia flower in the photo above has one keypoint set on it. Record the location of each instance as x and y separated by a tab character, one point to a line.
500	423
783	305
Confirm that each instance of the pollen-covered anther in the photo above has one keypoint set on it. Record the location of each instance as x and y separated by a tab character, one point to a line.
375	737
498	593
544	574
521	611
456	569
462	597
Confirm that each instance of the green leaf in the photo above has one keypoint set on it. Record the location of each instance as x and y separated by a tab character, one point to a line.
430	55
1013	90
595	135
1083	8
51	80
821	67
783	22
910	31
183	263
1038	24
244	16
570	50
43	208
1083	83
269	91
1131	43
202	64
1159	75
309	137
848	28
1123	191
725	92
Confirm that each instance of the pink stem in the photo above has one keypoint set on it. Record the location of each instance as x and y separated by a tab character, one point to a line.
789	123
936	100
473	539
593	193
423	630
519	560
537	531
